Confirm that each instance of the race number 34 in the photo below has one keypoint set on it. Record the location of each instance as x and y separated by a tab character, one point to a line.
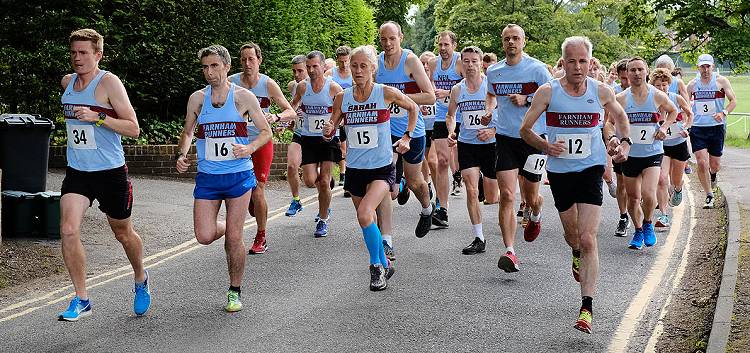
81	137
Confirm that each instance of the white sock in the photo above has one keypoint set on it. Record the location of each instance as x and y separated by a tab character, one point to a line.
510	249
388	239
427	211
535	218
478	231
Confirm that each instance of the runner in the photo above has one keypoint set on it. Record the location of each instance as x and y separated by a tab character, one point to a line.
476	142
643	103
678	87
342	75
315	98
401	69
675	149
488	60
267	91
97	112
428	113
512	82
596	72
446	72
372	174
225	168
294	150
708	130
622	196
576	162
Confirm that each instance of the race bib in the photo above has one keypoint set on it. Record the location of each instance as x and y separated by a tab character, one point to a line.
644	134
674	131
315	123
446	100
428	111
472	120
81	137
363	137
705	107
219	149
535	163
397	111
577	146
299	121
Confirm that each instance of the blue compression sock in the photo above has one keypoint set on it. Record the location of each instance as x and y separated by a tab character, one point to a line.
374	242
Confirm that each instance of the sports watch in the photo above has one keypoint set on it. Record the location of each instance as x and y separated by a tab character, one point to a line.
102	116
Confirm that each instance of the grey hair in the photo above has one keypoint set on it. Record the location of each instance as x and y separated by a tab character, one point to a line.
472	49
428	54
298	59
664	61
578	40
316	54
369	52
217	50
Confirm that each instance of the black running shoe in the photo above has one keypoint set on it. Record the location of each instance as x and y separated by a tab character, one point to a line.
403	193
423	227
377	278
476	247
388	251
481	188
347	194
622	227
440	218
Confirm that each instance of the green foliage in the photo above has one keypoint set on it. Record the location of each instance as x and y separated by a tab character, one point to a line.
152	45
390	10
423	35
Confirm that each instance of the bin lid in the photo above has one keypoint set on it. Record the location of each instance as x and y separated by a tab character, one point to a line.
20	194
25	120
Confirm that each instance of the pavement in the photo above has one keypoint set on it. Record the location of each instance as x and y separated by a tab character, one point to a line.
311	295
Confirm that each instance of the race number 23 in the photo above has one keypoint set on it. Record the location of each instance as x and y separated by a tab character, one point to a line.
577	146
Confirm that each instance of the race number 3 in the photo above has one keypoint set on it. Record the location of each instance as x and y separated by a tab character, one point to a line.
219	149
472	120
645	134
577	146
535	163
705	107
364	137
81	137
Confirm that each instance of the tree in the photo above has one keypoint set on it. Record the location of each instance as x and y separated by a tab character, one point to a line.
423	34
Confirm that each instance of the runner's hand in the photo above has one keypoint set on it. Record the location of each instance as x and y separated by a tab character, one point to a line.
719	117
612	143
452	139
328	130
621	153
442	93
485	134
517	99
486	118
183	163
241	151
86	114
660	133
402	146
555	149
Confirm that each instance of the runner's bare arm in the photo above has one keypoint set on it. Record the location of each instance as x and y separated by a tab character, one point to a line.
729	92
439	93
539	104
489	100
687	112
393	95
66	80
664	105
188	128
274	91
416	70
329	128
299	91
619	122
125	122
450	117
682	89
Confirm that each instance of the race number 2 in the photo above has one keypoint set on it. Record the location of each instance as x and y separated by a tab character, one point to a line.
364	137
644	134
577	146
81	137
219	149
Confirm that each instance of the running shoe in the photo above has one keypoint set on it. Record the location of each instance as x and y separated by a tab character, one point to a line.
142	299
532	229
233	302
347	194
440	218
637	242
317	216
521	208
688	169
456	188
662	223
508	262
476	247
342	177
622	227
676	199
480	186
612	188
251	208
649	237
321	229
76	310
583	323
377	278
576	267
709	202
259	244
389	271
389	253
294	208
403	193
425	221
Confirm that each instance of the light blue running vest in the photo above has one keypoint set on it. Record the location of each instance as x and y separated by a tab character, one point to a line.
343	82
368	130
644	121
261	91
399	79
445	79
469	113
707	101
317	108
674	137
90	148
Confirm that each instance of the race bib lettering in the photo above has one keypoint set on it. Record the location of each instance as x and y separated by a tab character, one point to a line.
644	134
81	137
577	146
315	123
535	163
364	137
705	107
397	111
428	111
219	149
472	120
446	100
674	131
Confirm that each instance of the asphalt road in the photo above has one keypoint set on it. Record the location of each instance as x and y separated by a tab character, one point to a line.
311	295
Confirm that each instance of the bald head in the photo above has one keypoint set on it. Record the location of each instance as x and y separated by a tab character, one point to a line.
390	26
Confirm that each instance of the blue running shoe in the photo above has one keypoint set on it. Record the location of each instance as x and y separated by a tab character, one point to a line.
676	198
649	237
142	300
317	216
76	310
294	208
321	229
637	242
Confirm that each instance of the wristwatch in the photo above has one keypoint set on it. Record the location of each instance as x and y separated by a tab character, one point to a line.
626	139
407	133
102	116
528	100
725	112
178	155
